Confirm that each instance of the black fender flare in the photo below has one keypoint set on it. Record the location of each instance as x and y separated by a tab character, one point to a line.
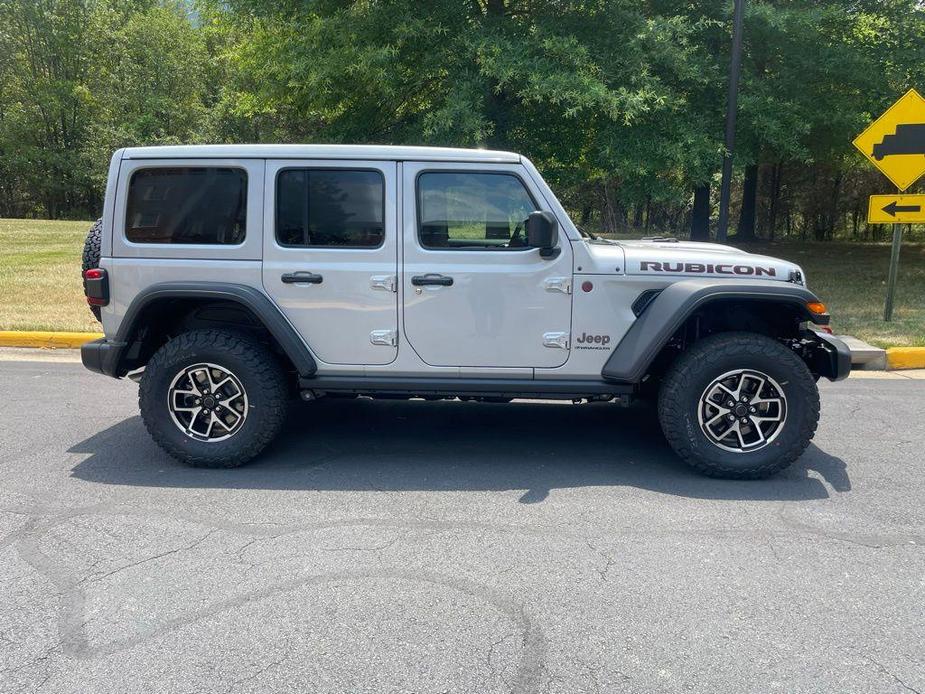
251	298
667	312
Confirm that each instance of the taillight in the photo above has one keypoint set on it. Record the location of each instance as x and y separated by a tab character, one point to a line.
96	286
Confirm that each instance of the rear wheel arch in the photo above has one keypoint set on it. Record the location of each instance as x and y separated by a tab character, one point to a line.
170	309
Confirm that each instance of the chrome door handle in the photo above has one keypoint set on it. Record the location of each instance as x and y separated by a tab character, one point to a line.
301	278
432	280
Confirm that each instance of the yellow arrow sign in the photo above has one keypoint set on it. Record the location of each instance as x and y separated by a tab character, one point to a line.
895	142
896	209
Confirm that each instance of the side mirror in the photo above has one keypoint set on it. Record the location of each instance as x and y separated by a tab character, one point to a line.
543	233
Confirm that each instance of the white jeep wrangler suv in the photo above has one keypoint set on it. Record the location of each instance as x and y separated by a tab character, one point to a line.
229	279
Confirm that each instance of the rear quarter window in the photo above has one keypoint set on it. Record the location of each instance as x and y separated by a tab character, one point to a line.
187	205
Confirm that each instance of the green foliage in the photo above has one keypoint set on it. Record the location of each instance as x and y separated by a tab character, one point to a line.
620	103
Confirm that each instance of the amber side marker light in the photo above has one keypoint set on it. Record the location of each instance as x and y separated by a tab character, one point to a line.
817	307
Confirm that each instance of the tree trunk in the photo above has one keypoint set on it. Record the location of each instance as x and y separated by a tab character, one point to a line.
495	8
637	215
497	108
777	175
746	229
700	216
610	213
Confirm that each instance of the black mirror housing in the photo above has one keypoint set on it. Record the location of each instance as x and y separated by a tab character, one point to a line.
542	232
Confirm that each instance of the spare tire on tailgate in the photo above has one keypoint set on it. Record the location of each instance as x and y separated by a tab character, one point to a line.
91	256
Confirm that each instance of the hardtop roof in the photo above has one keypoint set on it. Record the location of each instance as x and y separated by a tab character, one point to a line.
369	152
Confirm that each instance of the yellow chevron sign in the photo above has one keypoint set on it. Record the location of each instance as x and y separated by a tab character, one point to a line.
895	142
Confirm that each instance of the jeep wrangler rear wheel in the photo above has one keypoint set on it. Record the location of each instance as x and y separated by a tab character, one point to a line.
739	405
213	398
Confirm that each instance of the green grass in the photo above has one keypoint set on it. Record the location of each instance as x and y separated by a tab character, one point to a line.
40	287
851	279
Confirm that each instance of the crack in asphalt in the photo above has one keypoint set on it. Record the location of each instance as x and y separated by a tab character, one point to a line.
99	577
888	672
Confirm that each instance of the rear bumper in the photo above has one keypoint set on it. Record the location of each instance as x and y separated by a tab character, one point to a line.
836	365
102	356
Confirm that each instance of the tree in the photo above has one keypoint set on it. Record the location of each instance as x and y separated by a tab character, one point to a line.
48	44
620	103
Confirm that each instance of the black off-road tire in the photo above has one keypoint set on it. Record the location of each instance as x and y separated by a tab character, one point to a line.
258	370
693	372
91	256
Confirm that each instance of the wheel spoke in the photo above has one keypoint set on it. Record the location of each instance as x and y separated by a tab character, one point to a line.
211	378
757	427
218	386
197	383
761	384
188	392
738	431
212	420
231	411
192	422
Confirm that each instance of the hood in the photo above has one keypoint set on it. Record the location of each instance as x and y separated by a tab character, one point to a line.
692	259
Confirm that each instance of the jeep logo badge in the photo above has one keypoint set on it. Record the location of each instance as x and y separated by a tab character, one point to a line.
587	341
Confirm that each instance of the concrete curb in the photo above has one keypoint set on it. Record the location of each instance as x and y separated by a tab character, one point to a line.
53	340
905	358
864	357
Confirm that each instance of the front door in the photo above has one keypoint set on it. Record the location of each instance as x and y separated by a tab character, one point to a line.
330	256
475	295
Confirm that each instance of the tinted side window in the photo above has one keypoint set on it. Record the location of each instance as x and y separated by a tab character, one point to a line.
463	211
330	207
187	205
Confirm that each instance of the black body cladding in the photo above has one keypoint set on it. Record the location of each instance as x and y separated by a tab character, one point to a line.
106	356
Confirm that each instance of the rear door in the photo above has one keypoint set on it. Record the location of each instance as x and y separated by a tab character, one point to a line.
330	256
474	294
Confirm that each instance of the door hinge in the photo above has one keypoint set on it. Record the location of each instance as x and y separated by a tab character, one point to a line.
384	337
387	282
558	284
556	340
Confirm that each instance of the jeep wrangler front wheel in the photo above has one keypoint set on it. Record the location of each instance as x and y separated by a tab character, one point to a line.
739	405
213	398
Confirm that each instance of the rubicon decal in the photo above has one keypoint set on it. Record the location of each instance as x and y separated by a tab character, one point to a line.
587	341
706	268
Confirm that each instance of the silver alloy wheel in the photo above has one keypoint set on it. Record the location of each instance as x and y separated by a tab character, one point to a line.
207	402
742	411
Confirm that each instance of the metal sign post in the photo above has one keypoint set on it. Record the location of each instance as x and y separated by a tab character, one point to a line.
895	144
894	270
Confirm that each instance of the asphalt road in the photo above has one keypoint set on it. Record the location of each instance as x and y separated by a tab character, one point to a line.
462	547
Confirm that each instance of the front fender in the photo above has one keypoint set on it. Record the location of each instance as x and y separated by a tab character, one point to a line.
664	315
